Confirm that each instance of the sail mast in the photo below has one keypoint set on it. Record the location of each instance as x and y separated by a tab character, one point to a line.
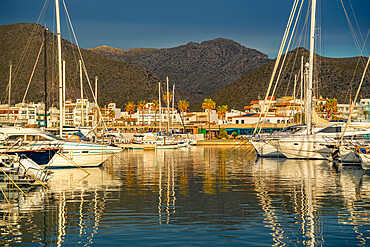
173	106
45	80
301	108
64	92
59	39
82	96
168	108
160	108
310	72
10	87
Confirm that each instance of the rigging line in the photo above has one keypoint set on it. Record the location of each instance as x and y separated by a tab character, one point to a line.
33	71
357	66
358	27
298	42
354	100
277	61
352	30
84	67
283	62
31	39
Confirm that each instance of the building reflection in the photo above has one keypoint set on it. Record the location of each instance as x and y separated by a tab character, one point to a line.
222	187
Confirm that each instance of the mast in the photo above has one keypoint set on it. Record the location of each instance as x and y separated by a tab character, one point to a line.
96	89
10	88
64	92
294	104
173	105
160	107
61	112
82	95
168	108
45	80
310	72
301	108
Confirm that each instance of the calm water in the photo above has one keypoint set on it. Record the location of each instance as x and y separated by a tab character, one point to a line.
190	197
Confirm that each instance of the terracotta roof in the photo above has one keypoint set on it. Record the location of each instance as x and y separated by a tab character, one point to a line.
262	115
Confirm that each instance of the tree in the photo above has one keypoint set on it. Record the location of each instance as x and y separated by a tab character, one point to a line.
130	108
208	105
112	115
365	113
234	134
183	106
155	108
141	106
221	111
223	133
331	107
169	95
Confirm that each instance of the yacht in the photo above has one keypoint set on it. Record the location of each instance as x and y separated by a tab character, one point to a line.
265	149
319	145
71	154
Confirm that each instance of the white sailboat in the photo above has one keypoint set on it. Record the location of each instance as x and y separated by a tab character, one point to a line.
315	144
71	154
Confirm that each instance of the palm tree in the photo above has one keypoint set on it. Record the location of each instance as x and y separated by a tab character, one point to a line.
141	106
155	108
366	113
331	107
183	106
130	108
221	111
112	115
169	95
208	105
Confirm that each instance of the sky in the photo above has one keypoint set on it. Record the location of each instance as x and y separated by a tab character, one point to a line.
257	24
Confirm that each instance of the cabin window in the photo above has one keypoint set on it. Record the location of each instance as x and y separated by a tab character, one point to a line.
282	121
278	121
42	138
332	129
31	138
242	121
15	137
237	121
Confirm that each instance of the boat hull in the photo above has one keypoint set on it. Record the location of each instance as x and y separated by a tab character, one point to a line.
302	149
73	159
365	161
265	149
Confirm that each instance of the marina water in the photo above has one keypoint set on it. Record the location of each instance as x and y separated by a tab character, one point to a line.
194	196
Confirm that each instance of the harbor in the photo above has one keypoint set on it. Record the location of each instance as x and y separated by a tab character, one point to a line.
198	196
208	143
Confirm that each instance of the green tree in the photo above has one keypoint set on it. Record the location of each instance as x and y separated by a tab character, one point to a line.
141	106
183	106
234	134
130	108
155	108
209	105
223	133
221	111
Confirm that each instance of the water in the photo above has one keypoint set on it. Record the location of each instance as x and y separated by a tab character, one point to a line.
191	197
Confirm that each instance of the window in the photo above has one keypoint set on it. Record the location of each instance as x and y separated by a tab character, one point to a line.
332	129
242	121
237	121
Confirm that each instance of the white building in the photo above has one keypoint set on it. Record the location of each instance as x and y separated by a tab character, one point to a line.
252	118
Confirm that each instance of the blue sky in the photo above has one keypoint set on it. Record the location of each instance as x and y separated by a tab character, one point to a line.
163	23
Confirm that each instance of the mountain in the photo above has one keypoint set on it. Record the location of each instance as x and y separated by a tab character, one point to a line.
118	82
338	79
200	69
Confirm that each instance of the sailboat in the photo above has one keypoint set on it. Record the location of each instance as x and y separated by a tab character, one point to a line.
71	154
315	143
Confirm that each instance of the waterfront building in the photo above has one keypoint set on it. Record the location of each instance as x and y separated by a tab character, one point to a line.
252	118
